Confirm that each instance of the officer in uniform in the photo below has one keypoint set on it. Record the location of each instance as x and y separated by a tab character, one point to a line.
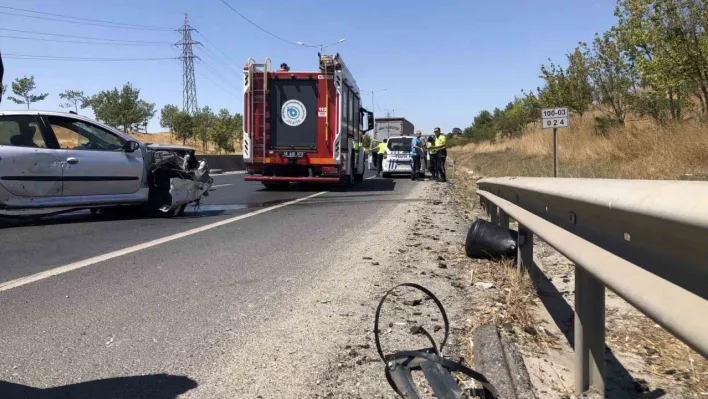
441	154
379	157
433	157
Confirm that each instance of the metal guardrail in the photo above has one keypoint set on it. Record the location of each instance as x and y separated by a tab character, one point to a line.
647	241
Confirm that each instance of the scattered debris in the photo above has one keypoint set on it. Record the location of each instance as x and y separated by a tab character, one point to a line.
483	285
412	302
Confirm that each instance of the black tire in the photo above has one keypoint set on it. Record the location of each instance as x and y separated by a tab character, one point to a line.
385	175
276	186
158	198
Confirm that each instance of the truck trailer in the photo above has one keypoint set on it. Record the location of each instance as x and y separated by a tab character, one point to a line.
303	126
392	127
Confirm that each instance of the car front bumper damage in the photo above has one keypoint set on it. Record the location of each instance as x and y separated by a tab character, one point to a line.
178	179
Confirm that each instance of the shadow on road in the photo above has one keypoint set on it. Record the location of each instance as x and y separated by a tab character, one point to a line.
388	184
208	210
618	380
156	386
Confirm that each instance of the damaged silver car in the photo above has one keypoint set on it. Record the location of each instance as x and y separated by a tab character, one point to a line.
53	161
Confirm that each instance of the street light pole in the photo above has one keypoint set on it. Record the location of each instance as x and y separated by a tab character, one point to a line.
373	102
321	46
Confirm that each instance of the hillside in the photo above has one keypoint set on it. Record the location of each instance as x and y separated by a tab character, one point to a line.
640	150
166	138
68	139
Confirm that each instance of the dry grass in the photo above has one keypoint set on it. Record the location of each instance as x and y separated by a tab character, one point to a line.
508	303
640	150
665	355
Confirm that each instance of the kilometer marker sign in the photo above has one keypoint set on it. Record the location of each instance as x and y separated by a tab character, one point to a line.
555	118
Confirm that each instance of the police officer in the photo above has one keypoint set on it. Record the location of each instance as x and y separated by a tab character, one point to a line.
380	156
433	166
441	154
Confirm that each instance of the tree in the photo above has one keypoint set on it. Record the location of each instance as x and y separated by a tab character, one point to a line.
668	42
3	90
567	87
121	109
577	88
482	128
238	126
184	126
167	117
146	111
613	75
73	98
203	123
23	88
223	130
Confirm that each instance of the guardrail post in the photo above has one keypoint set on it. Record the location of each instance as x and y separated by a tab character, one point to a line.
589	333
524	256
503	219
492	209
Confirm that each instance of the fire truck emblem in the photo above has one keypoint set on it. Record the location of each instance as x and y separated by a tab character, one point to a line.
293	113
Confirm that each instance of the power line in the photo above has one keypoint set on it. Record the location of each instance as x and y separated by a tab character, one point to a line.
61	58
79	42
134	26
221	86
257	26
81	37
214	45
217	74
210	54
84	23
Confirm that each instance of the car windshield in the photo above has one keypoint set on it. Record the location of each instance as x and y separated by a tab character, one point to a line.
399	144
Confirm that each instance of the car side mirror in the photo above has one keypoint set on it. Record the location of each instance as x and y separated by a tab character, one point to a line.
131	146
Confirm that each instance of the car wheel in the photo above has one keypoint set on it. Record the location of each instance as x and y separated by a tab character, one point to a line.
158	204
386	175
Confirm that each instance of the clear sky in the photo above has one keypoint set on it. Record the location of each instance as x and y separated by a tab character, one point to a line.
441	61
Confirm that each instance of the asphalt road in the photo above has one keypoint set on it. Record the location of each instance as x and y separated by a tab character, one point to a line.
172	308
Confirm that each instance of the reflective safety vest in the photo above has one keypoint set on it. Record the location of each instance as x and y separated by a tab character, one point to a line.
382	148
441	141
357	144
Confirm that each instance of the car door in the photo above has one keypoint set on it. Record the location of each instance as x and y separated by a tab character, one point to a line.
28	167
94	160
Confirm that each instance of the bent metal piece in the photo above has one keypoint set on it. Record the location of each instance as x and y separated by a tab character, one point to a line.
436	368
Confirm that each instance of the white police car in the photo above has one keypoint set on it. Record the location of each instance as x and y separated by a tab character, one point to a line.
397	159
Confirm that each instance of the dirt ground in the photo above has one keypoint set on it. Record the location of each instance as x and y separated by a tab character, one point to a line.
642	359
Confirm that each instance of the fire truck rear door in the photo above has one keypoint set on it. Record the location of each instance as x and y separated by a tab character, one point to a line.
293	123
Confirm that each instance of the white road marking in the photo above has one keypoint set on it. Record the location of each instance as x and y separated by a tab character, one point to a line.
8	285
222	185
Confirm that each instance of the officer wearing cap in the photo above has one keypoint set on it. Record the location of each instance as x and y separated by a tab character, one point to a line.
380	157
440	148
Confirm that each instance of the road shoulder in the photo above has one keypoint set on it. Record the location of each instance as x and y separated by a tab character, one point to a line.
325	347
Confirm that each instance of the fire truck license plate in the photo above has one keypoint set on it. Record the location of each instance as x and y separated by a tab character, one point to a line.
292	154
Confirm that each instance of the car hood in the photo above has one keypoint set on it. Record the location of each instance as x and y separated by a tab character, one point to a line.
167	147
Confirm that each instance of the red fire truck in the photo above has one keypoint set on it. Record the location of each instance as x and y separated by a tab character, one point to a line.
303	126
